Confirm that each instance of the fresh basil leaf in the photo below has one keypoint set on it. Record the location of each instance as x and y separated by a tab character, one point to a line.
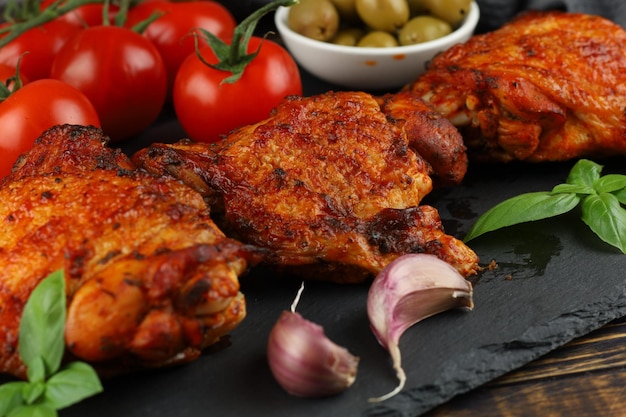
584	172
72	384
36	371
610	183
620	195
41	333
11	396
41	347
523	208
602	209
606	218
33	392
573	188
33	410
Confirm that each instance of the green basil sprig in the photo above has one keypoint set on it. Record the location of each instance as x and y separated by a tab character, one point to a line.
41	346
601	196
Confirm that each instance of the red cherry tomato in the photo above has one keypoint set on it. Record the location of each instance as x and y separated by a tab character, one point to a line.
172	33
120	72
42	44
34	108
86	15
207	108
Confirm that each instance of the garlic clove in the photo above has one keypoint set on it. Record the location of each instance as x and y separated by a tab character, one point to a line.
408	290
305	362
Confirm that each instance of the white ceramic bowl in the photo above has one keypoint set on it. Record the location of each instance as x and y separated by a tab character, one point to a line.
368	68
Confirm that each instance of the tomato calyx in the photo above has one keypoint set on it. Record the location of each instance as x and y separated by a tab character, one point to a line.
234	58
12	84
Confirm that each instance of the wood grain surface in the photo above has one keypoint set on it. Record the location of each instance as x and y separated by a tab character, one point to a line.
586	377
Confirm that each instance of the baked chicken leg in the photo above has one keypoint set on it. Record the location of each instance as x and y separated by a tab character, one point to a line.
150	279
548	86
328	184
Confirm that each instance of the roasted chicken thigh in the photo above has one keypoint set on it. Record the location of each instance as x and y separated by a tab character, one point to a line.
329	184
150	279
548	86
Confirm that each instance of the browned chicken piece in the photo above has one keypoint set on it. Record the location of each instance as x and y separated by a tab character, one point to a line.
150	279
431	135
328	184
69	149
547	86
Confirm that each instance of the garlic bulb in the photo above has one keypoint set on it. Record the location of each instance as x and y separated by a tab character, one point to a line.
410	289
304	361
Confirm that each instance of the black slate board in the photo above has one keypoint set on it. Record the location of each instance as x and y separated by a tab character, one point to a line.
555	281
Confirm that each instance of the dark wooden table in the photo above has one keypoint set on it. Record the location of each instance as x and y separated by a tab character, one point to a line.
586	377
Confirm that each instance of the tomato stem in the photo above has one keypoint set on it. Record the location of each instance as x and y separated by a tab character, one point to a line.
234	58
143	25
56	9
122	13
105	13
16	10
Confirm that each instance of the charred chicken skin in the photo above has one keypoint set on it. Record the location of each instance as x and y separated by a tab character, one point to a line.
150	279
328	184
430	135
547	86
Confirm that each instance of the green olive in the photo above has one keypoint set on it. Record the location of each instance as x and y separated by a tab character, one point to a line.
378	39
348	36
423	29
316	19
387	15
346	9
452	11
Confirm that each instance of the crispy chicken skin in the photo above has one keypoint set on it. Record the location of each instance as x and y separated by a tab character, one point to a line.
547	86
429	134
329	184
150	279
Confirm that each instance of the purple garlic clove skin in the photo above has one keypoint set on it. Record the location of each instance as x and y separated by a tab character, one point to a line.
410	289
305	362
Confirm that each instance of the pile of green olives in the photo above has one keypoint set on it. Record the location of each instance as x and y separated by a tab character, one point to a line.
377	23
